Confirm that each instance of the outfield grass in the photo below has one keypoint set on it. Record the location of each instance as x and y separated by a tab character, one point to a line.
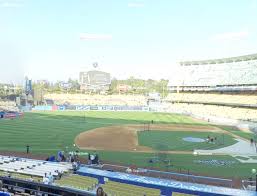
49	132
173	140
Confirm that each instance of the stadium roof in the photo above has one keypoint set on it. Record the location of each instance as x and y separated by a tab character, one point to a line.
220	61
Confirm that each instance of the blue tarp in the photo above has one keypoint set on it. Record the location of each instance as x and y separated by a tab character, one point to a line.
52	159
4	194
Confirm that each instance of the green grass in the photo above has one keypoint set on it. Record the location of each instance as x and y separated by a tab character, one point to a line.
238	132
173	140
182	163
49	132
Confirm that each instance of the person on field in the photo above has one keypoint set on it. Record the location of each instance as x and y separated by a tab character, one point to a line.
251	140
27	149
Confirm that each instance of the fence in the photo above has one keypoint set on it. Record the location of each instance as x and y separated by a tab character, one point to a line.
249	185
185	177
193	178
10	115
167	187
91	108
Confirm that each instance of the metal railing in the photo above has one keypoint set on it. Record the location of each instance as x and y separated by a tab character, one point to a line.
249	185
185	177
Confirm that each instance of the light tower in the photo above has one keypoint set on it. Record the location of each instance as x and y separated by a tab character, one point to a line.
27	89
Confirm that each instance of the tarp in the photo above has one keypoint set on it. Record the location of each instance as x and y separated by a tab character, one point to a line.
4	194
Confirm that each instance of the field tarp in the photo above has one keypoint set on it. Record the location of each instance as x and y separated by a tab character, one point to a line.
4	194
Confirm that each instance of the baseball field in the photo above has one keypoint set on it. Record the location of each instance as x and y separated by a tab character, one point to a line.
155	140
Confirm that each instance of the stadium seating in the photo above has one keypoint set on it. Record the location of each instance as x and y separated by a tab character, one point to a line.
116	188
8	106
77	182
210	98
214	110
22	176
216	72
32	167
83	99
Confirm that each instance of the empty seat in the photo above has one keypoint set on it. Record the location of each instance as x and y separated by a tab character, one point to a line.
77	182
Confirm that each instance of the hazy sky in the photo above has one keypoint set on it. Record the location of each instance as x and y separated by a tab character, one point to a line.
55	39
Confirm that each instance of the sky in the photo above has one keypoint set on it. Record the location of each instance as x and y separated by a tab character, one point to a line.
56	39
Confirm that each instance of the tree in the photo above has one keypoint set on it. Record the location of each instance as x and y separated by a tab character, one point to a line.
74	85
113	86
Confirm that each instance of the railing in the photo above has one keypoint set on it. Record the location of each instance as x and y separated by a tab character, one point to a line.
249	185
193	178
12	184
177	176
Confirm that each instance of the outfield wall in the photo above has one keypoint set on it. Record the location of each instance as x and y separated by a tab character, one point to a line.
90	108
10	115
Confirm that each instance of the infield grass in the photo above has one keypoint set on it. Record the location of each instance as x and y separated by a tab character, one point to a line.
173	140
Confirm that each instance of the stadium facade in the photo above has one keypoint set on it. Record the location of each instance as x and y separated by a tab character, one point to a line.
225	74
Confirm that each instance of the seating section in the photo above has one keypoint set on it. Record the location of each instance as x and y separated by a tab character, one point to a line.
32	167
121	189
216	111
8	106
82	99
181	194
209	98
22	176
78	182
215	72
15	193
180	105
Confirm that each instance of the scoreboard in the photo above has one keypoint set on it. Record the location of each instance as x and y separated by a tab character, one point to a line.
94	78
